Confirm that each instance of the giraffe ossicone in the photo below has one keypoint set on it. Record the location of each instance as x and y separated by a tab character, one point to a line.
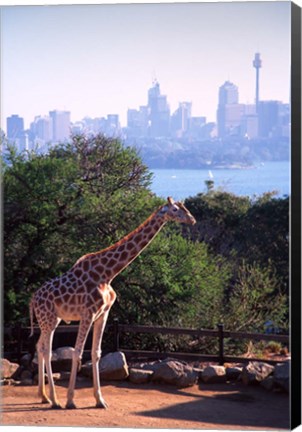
84	294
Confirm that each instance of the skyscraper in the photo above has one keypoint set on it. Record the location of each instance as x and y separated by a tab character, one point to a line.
268	113
60	125
229	111
15	132
181	119
15	127
159	112
228	94
42	128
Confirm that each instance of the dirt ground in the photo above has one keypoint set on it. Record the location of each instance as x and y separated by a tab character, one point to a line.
204	406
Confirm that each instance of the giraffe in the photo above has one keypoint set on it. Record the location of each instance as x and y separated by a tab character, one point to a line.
84	294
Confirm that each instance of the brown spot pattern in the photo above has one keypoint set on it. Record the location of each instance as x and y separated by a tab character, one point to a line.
124	256
78	273
111	263
95	276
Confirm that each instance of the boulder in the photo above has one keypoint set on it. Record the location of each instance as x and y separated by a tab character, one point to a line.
152	366
233	373
214	374
140	376
26	360
112	366
61	359
175	373
8	369
198	371
281	376
255	372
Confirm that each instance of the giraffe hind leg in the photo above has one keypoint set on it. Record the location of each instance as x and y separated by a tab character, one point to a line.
44	348
41	371
52	392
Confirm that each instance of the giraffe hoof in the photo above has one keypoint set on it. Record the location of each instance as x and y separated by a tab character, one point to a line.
70	405
101	404
56	406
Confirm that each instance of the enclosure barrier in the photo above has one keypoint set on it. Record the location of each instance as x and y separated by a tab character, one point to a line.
21	339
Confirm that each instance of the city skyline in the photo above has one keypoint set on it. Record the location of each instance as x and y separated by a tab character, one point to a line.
101	59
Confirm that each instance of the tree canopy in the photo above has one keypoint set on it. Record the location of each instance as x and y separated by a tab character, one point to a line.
83	196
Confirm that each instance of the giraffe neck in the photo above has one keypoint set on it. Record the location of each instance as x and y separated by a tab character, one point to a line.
108	263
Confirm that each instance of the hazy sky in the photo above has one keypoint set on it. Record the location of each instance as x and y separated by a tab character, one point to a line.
100	59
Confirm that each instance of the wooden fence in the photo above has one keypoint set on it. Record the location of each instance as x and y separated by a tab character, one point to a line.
21	340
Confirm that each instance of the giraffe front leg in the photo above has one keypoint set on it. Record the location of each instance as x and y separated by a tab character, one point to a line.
98	330
84	328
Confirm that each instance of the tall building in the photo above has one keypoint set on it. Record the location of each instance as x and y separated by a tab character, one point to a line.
60	125
113	125
268	113
257	63
159	112
249	122
15	132
228	94
15	127
181	119
42	128
229	112
137	122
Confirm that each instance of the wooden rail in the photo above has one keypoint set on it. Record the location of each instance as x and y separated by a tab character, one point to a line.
21	336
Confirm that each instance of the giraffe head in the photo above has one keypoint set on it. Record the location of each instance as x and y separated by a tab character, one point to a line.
177	212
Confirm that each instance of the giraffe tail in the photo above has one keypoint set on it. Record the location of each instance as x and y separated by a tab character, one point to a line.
31	312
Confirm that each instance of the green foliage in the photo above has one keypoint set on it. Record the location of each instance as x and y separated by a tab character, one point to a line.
173	282
241	228
256	296
76	199
230	267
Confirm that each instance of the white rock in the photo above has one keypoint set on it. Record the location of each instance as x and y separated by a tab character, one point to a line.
7	369
113	366
214	374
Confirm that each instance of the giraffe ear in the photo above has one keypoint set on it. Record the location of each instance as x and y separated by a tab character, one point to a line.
170	201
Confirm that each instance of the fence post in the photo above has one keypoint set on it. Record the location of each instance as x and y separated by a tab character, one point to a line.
221	347
116	335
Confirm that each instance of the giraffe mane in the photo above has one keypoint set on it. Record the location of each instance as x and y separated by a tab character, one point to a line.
126	237
122	240
181	205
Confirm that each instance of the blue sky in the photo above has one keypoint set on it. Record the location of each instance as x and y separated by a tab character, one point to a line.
100	59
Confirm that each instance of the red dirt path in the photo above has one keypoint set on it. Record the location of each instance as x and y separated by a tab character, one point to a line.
205	406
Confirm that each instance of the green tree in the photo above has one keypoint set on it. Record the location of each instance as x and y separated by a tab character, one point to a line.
174	282
256	298
236	227
56	207
86	195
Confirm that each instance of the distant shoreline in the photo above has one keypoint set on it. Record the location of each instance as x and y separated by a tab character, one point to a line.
247	180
